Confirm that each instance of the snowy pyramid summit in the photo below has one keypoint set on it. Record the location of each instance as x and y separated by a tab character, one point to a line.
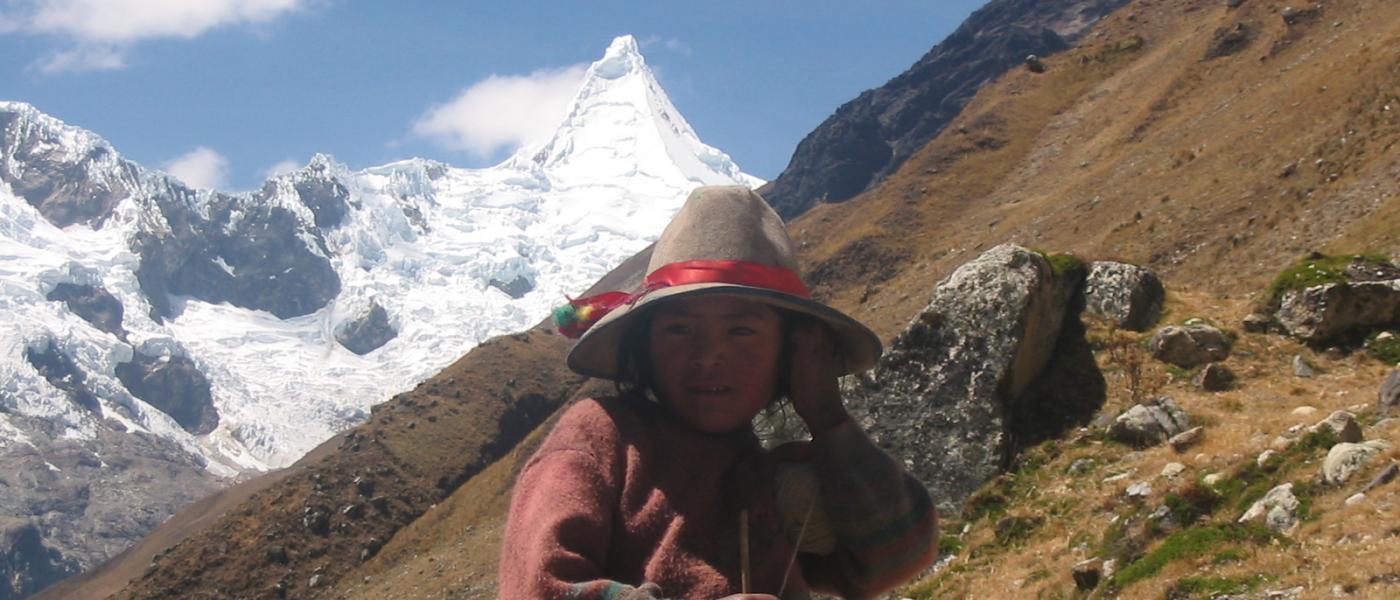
217	334
622	125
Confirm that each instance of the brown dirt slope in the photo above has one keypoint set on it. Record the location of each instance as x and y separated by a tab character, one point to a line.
1214	171
1135	121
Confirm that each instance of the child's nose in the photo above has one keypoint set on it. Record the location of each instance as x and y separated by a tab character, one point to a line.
708	351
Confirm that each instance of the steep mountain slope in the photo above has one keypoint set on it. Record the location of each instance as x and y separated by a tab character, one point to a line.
170	340
869	137
1166	138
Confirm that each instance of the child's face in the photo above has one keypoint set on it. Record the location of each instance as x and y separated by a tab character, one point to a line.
715	359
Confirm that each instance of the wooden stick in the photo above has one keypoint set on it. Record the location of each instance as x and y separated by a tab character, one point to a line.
744	551
797	544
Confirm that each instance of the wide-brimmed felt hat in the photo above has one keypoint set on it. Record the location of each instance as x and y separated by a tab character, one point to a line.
724	241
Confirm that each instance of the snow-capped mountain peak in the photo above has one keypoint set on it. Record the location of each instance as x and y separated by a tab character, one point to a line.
622	124
166	338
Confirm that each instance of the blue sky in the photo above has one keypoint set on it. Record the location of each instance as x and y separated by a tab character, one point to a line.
225	91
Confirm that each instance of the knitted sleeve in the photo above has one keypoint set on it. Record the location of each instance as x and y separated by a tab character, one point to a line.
884	521
557	535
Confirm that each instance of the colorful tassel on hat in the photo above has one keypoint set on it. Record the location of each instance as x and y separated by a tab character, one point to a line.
574	318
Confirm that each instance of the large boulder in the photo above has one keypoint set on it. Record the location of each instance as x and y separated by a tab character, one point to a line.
1344	460
1188	346
1126	295
939	397
1340	312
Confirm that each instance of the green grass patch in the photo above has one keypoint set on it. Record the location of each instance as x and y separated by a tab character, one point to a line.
1210	587
1187	544
1229	555
1386	349
949	545
1192	504
1250	481
1015	529
1313	271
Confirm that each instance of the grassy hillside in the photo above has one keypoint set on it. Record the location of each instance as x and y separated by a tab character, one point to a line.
1213	144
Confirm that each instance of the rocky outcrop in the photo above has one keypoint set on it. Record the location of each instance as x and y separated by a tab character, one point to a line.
1340	312
27	564
868	138
247	252
61	372
366	332
515	288
942	398
318	188
1128	296
175	386
1189	346
93	303
64	185
68	501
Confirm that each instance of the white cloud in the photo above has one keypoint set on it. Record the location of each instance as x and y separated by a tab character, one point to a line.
502	111
281	168
671	44
200	168
101	31
84	58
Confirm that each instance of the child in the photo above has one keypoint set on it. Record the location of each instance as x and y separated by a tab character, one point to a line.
665	491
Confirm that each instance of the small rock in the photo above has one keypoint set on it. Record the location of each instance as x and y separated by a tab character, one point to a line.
1139	491
1215	377
1301	368
1356	498
353	511
1088	573
1172	470
1282	443
1150	423
1344	424
1212	479
1186	439
1304	411
1188	346
1385	476
1034	65
1264	457
317	519
314	581
1110	567
1257	323
364	486
1390	392
1278	508
1081	466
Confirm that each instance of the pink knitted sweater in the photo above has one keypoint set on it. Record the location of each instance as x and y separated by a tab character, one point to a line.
624	501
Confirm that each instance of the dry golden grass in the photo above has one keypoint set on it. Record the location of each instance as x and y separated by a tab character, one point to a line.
1132	147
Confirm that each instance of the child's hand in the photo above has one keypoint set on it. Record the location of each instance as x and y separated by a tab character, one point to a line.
813	387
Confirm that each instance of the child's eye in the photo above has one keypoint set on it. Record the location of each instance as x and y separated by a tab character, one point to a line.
741	330
676	328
